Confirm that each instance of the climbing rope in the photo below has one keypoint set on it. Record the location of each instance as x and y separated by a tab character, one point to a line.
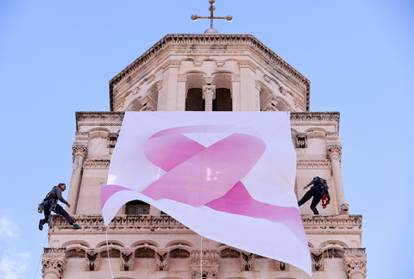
107	251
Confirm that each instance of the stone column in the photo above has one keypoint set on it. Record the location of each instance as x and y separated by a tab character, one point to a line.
53	263
355	263
209	94
181	91
334	152
235	91
78	155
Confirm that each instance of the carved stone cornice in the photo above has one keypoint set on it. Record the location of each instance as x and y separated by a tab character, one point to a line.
96	164
315	116
351	223
54	261
146	223
313	164
355	261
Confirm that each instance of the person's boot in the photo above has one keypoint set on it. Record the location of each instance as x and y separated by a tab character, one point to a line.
40	225
76	226
315	211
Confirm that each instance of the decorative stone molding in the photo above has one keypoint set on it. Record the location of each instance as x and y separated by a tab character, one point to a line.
127	259
124	223
333	223
92	260
210	262
162	258
96	164
315	116
313	164
109	119
316	134
355	261
54	261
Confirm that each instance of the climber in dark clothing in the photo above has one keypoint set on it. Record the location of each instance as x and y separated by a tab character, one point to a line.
50	203
318	191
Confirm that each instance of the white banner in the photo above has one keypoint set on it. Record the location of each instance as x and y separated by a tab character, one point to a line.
228	176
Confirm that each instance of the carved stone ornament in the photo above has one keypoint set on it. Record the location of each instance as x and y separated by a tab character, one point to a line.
92	260
247	261
162	258
318	263
53	262
210	260
127	260
355	261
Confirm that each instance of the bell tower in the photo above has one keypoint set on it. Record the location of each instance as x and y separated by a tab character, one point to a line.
200	72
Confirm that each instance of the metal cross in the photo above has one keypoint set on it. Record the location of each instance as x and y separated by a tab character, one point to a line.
212	17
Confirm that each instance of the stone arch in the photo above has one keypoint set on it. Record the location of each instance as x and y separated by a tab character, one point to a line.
281	105
114	251
75	242
144	243
194	91
223	100
145	252
75	251
179	252
316	132
146	102
333	243
110	243
228	252
265	96
179	243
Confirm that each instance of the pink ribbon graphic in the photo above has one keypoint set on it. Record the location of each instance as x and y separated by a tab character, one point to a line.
209	176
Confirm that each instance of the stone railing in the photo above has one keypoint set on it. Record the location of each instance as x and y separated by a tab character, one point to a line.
156	223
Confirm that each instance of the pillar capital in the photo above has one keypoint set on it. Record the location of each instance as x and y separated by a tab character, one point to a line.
53	262
334	151
209	91
79	150
355	262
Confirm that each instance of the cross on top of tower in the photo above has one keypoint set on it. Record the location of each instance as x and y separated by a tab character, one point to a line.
212	17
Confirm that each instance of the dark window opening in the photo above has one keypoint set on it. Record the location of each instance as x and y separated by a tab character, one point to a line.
179	253
144	253
194	100
223	100
301	141
137	208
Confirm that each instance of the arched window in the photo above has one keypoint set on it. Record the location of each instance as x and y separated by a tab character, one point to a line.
194	100
223	100
137	207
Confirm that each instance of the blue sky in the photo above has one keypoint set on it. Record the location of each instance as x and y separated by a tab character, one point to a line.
56	58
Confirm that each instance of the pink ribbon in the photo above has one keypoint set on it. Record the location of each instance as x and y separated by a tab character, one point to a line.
209	176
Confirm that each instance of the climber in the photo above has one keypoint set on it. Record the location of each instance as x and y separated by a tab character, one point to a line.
319	191
50	203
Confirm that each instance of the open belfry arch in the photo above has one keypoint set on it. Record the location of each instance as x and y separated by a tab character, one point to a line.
200	72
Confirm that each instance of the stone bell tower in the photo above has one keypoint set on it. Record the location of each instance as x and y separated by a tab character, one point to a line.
202	72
